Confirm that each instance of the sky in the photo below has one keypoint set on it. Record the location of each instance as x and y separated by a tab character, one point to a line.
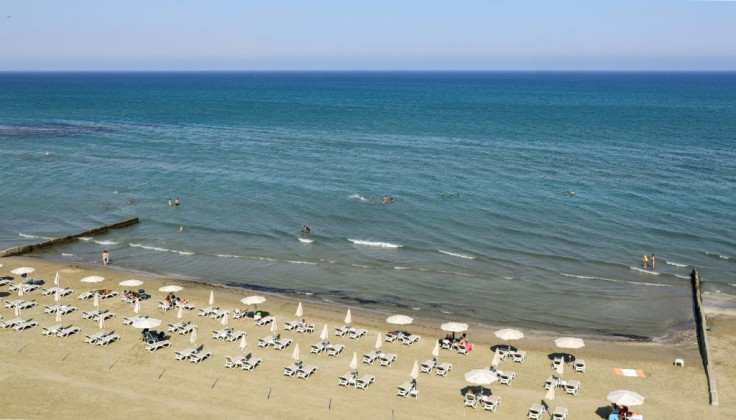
537	35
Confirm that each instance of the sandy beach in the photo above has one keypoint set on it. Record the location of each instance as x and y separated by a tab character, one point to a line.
52	377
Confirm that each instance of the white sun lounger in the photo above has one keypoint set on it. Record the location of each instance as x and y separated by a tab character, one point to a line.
266	341
306	329
404	389
560	413
335	349
251	363
12	303
292	325
306	372
53	330
66	332
200	356
387	359
363	382
347	379
87	295
518	357
571	387
221	334
11	323
490	403
207	311
185	306
172	327
265	320
579	366
506	377
370	357
110	338
443	369
411	339
165	306
341	331
24	325
235	335
184	354
187	329
158	345
93	338
535	412
219	313
291	369
233	362
318	348
428	365
282	344
27	305
356	334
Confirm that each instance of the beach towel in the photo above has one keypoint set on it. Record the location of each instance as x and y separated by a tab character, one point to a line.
629	372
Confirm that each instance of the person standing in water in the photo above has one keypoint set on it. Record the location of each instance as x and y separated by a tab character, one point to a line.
176	201
645	260
170	202
305	229
652	260
105	257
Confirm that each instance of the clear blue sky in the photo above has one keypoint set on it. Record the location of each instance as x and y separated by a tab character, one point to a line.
367	35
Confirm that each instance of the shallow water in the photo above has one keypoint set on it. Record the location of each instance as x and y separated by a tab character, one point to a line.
254	156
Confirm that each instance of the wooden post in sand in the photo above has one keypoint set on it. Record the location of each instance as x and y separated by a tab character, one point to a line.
702	337
25	249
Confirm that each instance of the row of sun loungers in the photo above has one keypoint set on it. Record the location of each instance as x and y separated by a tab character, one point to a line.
489	402
60	330
102	338
330	349
228	334
407	339
303	372
52	291
244	362
22	304
64	309
27	288
407	389
536	411
97	314
91	293
350	379
18	324
193	355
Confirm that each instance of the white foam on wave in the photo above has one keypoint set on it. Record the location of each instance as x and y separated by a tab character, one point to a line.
401	268
64	254
185	252
723	257
676	264
456	254
24	235
417	309
305	240
681	276
359	197
359	266
373	243
301	262
152	248
577	276
227	256
106	242
654	273
637	283
84	238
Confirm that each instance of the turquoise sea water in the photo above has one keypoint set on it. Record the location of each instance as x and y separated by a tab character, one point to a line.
254	156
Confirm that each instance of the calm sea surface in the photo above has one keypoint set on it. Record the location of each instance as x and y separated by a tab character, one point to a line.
254	156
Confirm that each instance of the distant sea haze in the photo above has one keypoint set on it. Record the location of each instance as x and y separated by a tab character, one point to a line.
483	226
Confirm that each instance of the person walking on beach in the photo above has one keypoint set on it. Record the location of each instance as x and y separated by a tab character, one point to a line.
652	260
645	260
105	257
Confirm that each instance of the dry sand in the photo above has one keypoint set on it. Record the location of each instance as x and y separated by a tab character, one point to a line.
51	377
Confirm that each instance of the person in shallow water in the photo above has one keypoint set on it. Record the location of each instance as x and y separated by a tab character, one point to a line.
305	229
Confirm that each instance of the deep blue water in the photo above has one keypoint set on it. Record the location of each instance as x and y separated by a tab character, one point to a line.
254	156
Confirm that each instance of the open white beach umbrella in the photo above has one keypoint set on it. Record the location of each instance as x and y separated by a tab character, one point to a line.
325	334
624	397
212	298
193	337
224	320
296	355
22	270
253	300
242	344
348	318
436	349
131	283
146	323
57	279
400	319
274	327
509	334
354	361
180	313
414	370
481	377
171	288
379	341
92	279
569	343
454	327
137	307
96	301
58	316
299	310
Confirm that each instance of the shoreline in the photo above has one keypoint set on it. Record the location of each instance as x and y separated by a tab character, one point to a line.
60	372
672	336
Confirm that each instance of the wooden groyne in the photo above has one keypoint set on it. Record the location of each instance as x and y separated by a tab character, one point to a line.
702	337
25	249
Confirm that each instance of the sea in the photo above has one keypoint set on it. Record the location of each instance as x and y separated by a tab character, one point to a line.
521	199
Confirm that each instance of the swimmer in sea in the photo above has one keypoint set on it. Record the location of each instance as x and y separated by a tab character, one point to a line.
181	228
570	193
129	202
385	199
176	201
169	202
305	229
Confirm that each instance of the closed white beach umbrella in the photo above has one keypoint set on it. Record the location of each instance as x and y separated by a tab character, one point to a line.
481	377
550	395
92	279
299	310
17	310
414	370
324	335
57	295
212	297
21	289
102	323
296	355
624	397
560	369
274	327
379	341
436	349
454	327
509	334
180	313
496	357
243	344
193	337
224	320
400	319
348	318
58	316
354	362
171	288
22	270
57	279
131	283
137	307
146	323
96	301
253	300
